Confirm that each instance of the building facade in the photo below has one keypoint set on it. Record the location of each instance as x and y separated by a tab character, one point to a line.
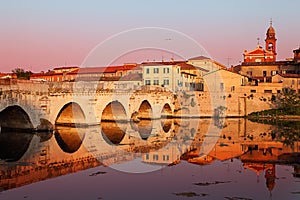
167	75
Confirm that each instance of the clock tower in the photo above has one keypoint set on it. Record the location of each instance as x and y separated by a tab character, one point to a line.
271	40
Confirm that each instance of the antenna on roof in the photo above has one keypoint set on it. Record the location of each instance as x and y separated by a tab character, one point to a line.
228	61
258	41
271	22
162	58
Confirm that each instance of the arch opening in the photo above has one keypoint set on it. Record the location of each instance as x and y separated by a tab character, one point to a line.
70	115
114	123
166	111
70	127
145	111
15	118
114	111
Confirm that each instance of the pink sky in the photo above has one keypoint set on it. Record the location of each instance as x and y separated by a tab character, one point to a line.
39	36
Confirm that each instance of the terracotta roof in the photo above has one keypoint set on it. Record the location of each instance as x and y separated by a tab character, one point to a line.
89	70
109	69
2	74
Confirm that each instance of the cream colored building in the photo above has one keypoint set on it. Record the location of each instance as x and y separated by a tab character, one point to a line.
165	75
205	63
223	80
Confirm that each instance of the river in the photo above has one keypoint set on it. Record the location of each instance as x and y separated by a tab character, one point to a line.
232	158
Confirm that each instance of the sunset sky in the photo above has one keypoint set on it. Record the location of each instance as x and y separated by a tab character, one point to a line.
39	35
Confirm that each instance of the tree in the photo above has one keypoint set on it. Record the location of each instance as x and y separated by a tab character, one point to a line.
22	74
289	100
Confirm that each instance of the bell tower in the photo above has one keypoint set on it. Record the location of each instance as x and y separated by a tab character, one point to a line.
271	40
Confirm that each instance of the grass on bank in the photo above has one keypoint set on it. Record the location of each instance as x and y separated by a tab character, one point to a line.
277	112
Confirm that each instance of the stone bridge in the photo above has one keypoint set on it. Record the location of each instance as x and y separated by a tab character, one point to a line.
38	105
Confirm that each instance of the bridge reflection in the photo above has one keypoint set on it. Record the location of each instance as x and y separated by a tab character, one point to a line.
13	145
69	138
35	156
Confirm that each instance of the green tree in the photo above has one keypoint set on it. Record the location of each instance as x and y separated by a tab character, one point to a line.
22	74
289	101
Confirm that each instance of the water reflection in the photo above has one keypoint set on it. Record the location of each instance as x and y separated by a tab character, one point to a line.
113	131
13	145
69	138
259	148
144	128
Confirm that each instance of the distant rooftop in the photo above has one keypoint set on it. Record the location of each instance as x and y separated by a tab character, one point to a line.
200	58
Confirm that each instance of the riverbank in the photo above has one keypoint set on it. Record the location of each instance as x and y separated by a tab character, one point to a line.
288	113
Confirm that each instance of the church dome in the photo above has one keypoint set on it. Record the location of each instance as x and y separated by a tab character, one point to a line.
271	30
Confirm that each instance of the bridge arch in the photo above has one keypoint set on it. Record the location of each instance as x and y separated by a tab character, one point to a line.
113	122
166	111
145	110
70	114
15	117
69	127
114	111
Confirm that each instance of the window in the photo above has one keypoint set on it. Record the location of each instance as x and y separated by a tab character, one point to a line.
268	91
232	88
166	82
165	157
166	70
147	70
257	60
155	70
156	82
249	73
264	73
221	86
253	91
293	82
147	82
179	83
155	157
268	80
274	73
147	156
